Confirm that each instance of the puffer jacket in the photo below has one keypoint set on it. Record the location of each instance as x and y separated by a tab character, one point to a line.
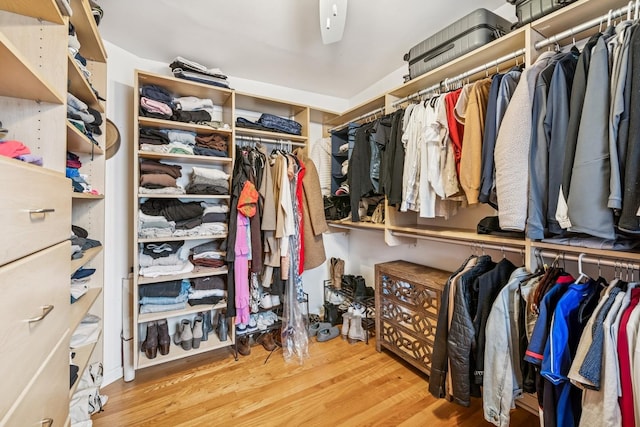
461	339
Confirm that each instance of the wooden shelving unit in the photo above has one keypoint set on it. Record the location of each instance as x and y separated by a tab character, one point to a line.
79	86
89	255
78	142
91	46
47	10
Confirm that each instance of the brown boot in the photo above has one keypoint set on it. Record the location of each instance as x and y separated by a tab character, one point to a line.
150	344
243	346
267	341
164	340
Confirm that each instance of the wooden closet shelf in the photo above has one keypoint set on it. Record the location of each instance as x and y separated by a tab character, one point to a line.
356	225
87	196
78	142
47	10
185	196
182	87
197	272
248	102
177	352
89	254
457	235
176	239
83	355
604	253
184	158
357	111
22	80
172	124
91	46
256	133
81	307
80	88
148	317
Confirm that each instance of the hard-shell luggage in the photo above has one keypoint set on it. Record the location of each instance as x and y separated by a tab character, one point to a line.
530	10
466	34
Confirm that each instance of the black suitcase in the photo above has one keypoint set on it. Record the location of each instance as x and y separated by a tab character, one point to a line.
466	34
530	10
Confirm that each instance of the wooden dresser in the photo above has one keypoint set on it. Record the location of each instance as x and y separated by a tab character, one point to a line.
407	304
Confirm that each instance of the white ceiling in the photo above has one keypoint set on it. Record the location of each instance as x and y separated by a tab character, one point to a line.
279	41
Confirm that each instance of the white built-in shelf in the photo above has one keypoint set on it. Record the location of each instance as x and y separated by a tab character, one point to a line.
595	253
78	142
148	317
172	124
47	10
454	235
91	46
197	272
356	225
20	79
81	307
89	254
80	88
184	158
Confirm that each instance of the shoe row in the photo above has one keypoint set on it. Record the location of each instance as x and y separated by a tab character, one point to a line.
257	322
268	301
270	340
352	328
188	334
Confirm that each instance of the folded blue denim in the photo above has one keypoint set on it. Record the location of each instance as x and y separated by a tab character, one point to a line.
280	124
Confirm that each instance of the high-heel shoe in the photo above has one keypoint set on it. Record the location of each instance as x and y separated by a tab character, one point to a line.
150	344
164	340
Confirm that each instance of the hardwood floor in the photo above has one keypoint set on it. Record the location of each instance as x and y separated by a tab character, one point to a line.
340	384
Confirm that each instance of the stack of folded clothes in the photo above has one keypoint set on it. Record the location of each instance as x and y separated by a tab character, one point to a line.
163	259
17	150
197	110
209	254
156	102
272	123
171	217
208	181
157	177
214	219
74	50
150	226
216	145
80	242
191	70
86	119
80	282
207	290
175	141
164	296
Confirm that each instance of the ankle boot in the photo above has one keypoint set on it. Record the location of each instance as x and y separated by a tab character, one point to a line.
223	327
356	332
360	290
346	319
186	335
197	331
206	325
150	344
243	346
267	341
164	340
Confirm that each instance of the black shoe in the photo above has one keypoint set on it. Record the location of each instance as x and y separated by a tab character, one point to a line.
223	327
150	344
360	290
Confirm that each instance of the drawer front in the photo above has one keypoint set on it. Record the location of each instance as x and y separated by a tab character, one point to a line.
47	398
408	316
28	285
37	206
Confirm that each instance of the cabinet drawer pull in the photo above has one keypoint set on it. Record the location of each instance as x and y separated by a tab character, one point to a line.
38	211
45	311
47	422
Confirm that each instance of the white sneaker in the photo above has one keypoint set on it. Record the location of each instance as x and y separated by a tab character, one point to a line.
275	300
265	301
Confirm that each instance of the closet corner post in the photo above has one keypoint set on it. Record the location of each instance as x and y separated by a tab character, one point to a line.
389	107
531	38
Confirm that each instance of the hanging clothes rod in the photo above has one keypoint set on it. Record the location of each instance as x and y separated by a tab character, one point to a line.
613	14
515	248
485	67
269	140
364	116
586	259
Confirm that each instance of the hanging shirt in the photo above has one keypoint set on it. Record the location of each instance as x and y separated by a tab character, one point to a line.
411	172
321	158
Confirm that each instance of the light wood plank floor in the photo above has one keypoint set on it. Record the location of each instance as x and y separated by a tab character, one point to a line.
340	384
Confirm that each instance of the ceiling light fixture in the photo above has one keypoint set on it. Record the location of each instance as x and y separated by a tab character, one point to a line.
333	16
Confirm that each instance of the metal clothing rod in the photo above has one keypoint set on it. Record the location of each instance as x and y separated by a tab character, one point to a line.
586	259
472	243
364	116
485	67
269	140
613	14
